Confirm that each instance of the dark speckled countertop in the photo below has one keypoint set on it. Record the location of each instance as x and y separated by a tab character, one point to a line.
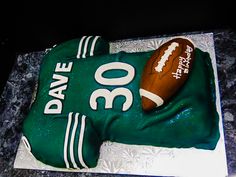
15	101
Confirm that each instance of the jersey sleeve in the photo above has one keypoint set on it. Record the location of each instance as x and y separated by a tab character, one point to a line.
70	142
79	48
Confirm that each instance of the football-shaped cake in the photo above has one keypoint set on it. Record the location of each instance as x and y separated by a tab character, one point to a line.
165	72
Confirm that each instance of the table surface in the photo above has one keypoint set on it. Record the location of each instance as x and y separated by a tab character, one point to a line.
14	108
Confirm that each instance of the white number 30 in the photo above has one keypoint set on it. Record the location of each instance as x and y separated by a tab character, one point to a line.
110	95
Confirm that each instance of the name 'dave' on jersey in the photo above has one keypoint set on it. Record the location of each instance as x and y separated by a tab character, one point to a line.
103	86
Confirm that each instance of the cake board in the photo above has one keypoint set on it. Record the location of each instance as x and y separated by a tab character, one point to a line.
117	158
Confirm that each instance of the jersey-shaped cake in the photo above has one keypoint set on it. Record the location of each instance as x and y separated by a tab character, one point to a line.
86	96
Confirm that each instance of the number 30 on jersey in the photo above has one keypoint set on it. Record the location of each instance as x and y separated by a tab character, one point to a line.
108	95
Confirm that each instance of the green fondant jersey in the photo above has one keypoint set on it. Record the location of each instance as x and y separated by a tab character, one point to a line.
86	96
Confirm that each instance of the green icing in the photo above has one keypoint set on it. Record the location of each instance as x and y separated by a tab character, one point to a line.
189	119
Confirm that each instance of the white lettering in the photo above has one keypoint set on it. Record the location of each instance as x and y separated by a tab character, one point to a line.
109	97
183	67
61	67
60	80
55	106
114	81
57	92
176	75
49	107
189	49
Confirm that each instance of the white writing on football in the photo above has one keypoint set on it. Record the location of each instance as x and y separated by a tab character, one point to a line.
183	67
166	55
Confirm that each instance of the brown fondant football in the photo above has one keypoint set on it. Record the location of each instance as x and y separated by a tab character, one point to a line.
165	72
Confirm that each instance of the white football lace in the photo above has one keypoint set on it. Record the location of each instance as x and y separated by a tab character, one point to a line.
166	55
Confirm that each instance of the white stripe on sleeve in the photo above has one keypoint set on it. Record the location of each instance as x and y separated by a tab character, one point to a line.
85	47
66	140
72	141
93	45
80	46
81	137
